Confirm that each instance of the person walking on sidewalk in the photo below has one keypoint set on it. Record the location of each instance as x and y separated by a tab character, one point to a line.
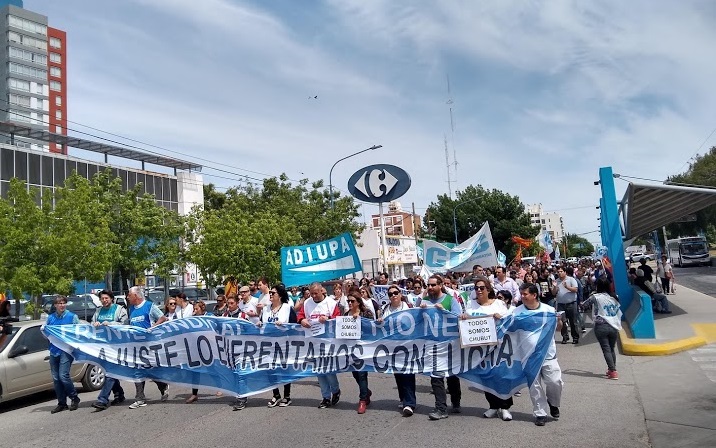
607	323
61	361
665	273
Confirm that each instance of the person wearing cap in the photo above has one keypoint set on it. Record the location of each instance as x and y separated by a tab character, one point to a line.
660	302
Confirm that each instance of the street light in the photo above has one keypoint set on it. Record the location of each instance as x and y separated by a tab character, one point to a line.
454	215
330	174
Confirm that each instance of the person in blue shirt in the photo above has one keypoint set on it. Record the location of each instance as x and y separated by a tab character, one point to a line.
60	361
144	314
109	314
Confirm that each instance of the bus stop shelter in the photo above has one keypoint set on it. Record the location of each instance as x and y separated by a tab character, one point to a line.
643	209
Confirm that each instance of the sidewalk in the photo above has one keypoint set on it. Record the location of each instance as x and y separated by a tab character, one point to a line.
692	324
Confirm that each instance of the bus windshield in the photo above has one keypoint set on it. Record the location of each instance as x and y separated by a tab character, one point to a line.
696	248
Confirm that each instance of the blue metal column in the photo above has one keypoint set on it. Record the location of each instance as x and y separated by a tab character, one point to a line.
612	236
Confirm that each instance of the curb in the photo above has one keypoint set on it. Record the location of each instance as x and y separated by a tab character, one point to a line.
632	348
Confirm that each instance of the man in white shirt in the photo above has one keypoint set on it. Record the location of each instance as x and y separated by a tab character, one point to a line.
565	289
264	297
549	395
248	305
503	282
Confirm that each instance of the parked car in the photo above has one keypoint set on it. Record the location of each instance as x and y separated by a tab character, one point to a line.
24	367
195	294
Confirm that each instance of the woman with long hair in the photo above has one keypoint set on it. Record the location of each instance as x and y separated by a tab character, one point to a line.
485	303
278	313
357	309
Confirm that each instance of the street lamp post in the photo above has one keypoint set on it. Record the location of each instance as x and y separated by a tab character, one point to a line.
330	174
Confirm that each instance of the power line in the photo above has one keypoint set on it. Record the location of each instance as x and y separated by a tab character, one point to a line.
699	149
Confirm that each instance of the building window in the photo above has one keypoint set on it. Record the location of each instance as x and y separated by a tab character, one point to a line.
40	88
58	101
27	55
56	86
27	40
55	42
56	57
27	71
56	72
58	129
18	84
19	100
58	114
40	104
27	25
19	115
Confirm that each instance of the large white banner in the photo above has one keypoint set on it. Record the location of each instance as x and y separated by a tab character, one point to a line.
479	249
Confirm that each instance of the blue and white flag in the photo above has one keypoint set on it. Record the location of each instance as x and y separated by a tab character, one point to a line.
479	249
325	260
545	240
501	259
237	357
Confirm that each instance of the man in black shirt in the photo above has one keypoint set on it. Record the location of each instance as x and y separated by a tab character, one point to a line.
648	271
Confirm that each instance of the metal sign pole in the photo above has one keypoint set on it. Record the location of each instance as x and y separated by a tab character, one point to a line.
383	243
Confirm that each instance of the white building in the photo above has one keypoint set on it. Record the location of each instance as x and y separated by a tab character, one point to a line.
550	222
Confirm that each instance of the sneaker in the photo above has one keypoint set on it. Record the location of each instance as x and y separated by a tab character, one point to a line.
565	340
505	415
540	421
274	401
117	400
554	412
437	415
239	404
325	403
138	404
74	404
59	408
407	411
361	406
575	342
456	410
100	406
165	394
584	330
518	394
613	375
191	399
335	398
285	402
490	413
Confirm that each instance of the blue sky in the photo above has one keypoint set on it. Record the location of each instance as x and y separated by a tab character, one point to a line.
545	92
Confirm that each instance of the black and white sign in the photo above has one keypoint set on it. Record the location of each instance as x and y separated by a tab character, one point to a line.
379	183
477	331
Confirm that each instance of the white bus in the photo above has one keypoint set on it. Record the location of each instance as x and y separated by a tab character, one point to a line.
688	251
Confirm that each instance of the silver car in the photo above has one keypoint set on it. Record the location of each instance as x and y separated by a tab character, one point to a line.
25	366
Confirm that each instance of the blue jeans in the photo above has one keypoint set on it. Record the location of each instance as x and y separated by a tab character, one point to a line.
60	369
362	380
110	385
329	385
406	388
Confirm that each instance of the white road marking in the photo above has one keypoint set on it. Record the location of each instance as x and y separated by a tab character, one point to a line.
705	357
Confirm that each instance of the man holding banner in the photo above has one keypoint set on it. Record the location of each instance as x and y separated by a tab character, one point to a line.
314	314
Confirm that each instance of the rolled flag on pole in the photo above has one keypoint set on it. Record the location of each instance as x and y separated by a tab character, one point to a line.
545	240
501	258
556	252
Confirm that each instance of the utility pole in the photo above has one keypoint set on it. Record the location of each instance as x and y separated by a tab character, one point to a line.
447	165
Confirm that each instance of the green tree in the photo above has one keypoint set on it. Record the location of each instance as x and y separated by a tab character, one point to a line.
147	235
702	173
244	236
475	205
577	246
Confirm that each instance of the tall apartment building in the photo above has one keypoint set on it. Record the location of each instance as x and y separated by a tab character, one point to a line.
33	86
550	222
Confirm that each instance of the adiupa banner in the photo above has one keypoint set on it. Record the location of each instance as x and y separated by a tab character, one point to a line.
479	249
235	356
325	260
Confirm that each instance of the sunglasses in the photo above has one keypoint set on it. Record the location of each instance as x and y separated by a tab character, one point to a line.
432	285
272	292
394	293
172	303
481	288
351	301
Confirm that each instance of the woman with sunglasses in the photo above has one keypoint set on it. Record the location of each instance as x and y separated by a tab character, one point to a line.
220	306
199	310
278	313
358	309
170	309
485	303
404	381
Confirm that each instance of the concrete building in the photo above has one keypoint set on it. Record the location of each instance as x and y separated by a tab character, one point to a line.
33	91
550	222
402	255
